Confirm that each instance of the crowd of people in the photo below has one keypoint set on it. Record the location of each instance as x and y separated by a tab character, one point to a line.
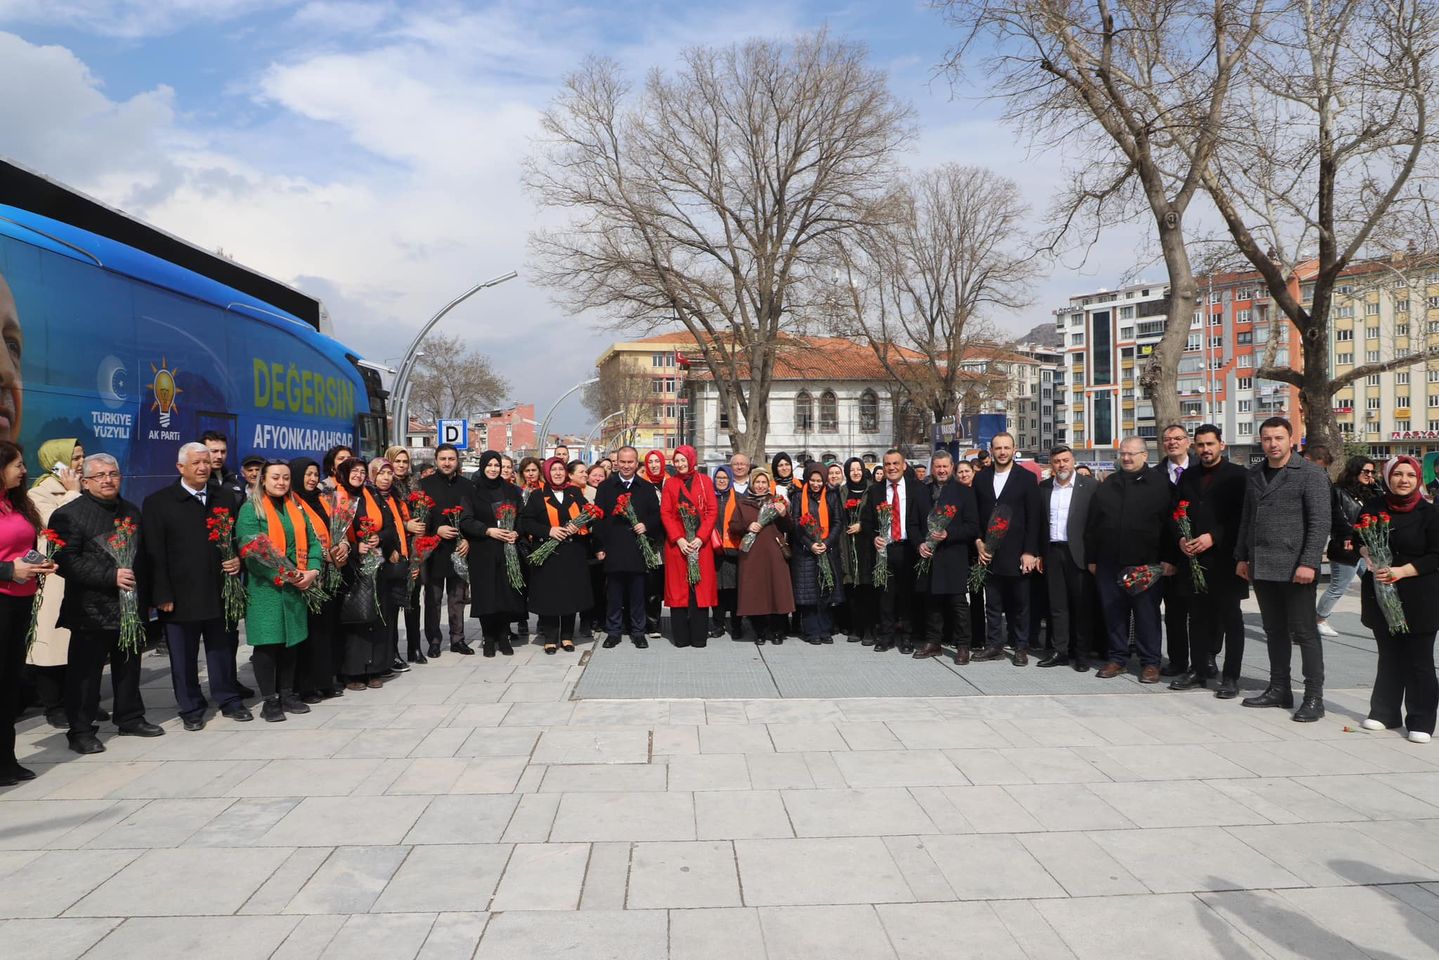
324	561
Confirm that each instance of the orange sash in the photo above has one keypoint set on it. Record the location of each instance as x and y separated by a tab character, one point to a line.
322	529
727	540
554	512
276	531
372	511
823	511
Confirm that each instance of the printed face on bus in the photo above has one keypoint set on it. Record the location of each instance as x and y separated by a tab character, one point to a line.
10	357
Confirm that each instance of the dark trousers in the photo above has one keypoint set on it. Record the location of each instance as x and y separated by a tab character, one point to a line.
1041	620
392	611
1405	679
184	639
90	650
625	605
557	627
725	612
1177	602
495	627
896	601
317	665
1068	602
274	665
654	593
1008	596
815	620
49	686
1118	606
947	615
1215	621
690	624
1287	611
976	615
597	616
14	624
863	609
453	589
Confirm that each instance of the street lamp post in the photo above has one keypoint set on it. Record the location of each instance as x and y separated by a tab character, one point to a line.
596	428
545	426
401	388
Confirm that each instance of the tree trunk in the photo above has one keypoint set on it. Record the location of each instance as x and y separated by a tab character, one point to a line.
1316	399
1161	374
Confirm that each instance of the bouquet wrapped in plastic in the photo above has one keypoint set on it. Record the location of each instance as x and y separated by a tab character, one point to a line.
262	550
1374	534
768	511
852	506
690	518
234	596
1135	580
1186	530
589	513
51	543
938	522
505	515
884	512
370	563
994	535
459	564
651	556
121	545
342	513
810	524
420	551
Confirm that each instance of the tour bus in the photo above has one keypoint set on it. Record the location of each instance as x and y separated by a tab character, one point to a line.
134	342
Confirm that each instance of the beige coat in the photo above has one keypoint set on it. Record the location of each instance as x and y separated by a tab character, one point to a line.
52	644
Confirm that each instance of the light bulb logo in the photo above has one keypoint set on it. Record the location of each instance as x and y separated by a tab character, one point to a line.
165	391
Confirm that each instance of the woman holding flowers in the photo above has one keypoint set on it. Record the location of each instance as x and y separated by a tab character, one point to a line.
19	524
1405	689
726	554
495	600
559	583
765	593
395	577
818	526
276	617
374	539
59	483
688	509
317	667
857	555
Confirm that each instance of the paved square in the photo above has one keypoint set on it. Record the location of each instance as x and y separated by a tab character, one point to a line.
497	810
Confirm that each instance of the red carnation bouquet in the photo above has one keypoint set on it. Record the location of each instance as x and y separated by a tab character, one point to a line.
809	523
370	563
624	507
459	564
121	544
505	515
938	522
690	518
1374	534
589	513
852	506
884	515
768	511
262	550
221	527
1186	530
421	503
993	537
1135	580
420	551
342	514
52	542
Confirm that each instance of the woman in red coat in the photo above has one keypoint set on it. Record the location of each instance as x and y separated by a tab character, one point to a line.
689	603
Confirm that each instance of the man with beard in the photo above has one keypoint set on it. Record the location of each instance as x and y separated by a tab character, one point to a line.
1214	494
449	490
1066	497
1004	488
219	447
948	580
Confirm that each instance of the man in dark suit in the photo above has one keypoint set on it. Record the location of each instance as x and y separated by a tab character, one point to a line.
1005	487
1176	463
947	584
186	577
625	569
1066	497
899	615
1213	493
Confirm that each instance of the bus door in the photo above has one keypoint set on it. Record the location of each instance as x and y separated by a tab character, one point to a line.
225	423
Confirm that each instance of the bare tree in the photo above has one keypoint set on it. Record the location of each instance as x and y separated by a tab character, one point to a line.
916	288
453	381
1137	90
623	388
1327	155
708	195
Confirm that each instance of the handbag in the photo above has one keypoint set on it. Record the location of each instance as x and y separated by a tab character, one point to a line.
361	604
784	549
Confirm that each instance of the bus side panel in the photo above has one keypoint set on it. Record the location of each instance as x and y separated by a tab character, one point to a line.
295	401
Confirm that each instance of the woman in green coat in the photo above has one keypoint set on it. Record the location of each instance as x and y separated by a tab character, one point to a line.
276	617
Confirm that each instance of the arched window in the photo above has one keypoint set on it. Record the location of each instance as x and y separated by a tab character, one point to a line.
828	412
803	411
869	412
871	459
828	457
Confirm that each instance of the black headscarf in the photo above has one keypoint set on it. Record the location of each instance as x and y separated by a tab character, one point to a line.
774	469
852	490
298	466
485	488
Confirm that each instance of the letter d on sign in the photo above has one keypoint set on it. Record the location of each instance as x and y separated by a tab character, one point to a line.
456	432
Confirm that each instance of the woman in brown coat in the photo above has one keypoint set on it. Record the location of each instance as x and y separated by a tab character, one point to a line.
765	593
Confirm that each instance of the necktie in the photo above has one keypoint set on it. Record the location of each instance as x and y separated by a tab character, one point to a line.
894	526
1178	471
201	497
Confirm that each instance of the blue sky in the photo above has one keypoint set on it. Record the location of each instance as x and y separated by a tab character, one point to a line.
369	151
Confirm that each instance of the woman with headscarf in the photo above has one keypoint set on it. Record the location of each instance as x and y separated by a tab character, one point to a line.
399	458
689	603
61	462
592	619
493	599
814	499
368	651
654	471
833	475
765	593
559	587
395	575
857	556
1405	689
781	469
316	665
276	615
726	552
529	480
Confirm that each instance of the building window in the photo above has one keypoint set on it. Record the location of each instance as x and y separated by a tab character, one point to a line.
1402	379
1193	342
1371	356
723	416
1401	401
1246	428
1343	336
1345	358
1244	383
1372	403
663	384
1371	333
1401	306
1216	320
1244	337
1401	329
869	412
1434	400
1244	316
1246	406
1401	424
803	411
1371	309
828	411
1247	360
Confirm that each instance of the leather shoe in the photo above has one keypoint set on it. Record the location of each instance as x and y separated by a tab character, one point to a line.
961	656
103	716
239	713
1109	671
905	647
641	643
460	646
1228	689
1172	669
611	642
1273	696
143	728
434	649
881	647
1079	664
1190	681
193	724
1021	658
86	743
272	712
1149	674
988	653
503	643
927	651
57	719
1054	660
1310	710
18	773
400	666
293	704
310	697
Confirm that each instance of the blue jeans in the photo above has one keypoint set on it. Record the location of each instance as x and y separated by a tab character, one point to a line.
1340	576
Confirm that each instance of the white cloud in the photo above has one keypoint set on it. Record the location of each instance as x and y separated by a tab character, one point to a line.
129	18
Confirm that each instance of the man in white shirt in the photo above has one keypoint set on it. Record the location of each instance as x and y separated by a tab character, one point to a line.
1066	496
1011	490
739	471
1176	601
899	615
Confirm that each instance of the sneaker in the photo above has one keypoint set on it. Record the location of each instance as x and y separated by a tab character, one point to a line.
1416	736
1325	630
1368	723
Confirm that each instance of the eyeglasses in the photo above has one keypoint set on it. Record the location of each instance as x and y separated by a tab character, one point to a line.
1368	470
111	475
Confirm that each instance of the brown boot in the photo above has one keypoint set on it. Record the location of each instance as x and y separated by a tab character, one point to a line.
961	655
927	651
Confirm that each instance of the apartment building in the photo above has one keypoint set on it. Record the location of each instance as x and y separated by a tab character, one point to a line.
640	383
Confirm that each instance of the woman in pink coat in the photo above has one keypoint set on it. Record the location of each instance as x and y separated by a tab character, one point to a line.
689	603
